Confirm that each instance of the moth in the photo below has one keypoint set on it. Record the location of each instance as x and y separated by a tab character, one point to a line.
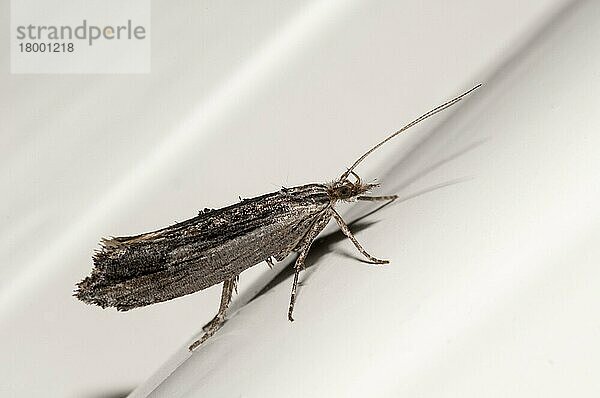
217	245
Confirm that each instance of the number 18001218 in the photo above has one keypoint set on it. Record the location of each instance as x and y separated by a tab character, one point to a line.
46	47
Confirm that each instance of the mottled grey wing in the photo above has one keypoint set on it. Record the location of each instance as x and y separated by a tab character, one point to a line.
135	271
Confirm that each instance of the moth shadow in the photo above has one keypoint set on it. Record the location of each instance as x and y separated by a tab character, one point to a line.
319	248
325	244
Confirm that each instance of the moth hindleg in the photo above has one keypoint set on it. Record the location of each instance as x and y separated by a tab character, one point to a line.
229	285
350	236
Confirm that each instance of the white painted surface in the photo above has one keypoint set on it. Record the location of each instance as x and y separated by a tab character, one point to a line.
492	287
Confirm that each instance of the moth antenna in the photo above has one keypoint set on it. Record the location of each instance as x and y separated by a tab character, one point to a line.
409	125
357	177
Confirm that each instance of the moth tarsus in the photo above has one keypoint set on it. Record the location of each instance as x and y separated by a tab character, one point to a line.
218	244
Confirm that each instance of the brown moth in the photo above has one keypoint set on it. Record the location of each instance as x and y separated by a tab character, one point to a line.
217	245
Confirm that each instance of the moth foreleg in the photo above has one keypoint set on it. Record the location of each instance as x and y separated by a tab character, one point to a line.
229	285
378	198
348	233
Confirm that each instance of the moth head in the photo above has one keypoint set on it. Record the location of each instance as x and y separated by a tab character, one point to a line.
348	190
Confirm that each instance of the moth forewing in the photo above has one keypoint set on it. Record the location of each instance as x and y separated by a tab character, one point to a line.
135	271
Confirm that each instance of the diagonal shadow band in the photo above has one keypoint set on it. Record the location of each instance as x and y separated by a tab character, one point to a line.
325	244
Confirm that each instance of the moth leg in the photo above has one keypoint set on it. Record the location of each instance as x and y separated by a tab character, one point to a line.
229	285
298	266
378	198
350	236
304	248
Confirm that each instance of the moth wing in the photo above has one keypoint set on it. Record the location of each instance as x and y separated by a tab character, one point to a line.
190	256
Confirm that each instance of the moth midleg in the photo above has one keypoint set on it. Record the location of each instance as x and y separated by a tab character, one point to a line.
229	285
299	264
350	236
378	198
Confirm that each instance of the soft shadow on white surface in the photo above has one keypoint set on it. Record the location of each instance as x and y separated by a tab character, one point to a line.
295	94
493	287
